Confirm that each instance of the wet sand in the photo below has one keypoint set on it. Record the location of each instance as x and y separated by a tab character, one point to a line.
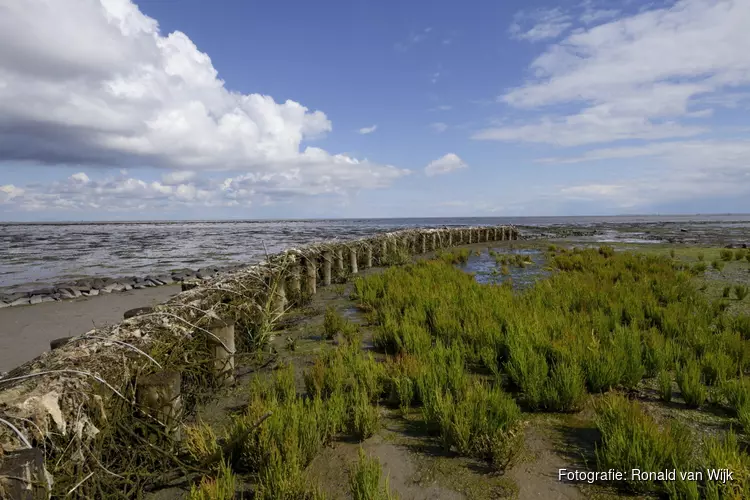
25	331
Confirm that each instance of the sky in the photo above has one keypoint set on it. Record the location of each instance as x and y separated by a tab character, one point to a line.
224	109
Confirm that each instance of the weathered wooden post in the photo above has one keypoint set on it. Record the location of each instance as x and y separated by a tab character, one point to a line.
311	277
222	343
159	394
368	255
22	475
295	287
353	260
450	238
383	250
339	263
279	296
434	241
424	243
486	235
327	262
470	233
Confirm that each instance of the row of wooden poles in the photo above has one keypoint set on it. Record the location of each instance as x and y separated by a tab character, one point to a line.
301	276
334	261
159	394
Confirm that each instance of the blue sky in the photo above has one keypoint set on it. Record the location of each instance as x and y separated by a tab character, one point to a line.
111	109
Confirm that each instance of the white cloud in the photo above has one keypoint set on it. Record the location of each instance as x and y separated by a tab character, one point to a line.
177	177
179	189
442	107
439	127
670	171
8	192
635	77
592	16
444	165
94	82
540	24
368	130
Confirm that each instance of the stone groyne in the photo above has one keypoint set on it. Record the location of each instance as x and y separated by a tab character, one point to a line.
88	287
79	419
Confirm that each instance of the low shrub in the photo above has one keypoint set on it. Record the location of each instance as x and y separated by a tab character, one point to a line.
664	383
726	254
740	291
221	487
631	439
689	381
364	480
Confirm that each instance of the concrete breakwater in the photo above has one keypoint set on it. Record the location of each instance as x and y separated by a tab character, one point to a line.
143	374
88	287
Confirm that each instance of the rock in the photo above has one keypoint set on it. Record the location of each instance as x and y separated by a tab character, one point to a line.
66	294
165	279
91	293
128	286
98	283
139	286
15	296
48	298
4	304
150	283
118	287
35	299
22	301
43	291
83	285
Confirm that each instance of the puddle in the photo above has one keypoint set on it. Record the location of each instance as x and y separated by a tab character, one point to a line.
487	271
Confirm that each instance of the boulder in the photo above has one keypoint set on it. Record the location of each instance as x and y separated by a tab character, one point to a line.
66	294
15	296
165	279
22	301
127	286
36	299
91	293
117	287
4	304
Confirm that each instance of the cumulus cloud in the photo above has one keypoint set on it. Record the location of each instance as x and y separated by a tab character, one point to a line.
444	165
635	77
95	83
368	130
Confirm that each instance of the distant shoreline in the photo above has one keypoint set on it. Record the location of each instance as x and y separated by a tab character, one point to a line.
664	217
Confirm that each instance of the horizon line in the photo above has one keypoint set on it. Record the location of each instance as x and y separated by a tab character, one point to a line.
311	219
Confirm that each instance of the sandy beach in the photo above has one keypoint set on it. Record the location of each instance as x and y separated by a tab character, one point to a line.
25	331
